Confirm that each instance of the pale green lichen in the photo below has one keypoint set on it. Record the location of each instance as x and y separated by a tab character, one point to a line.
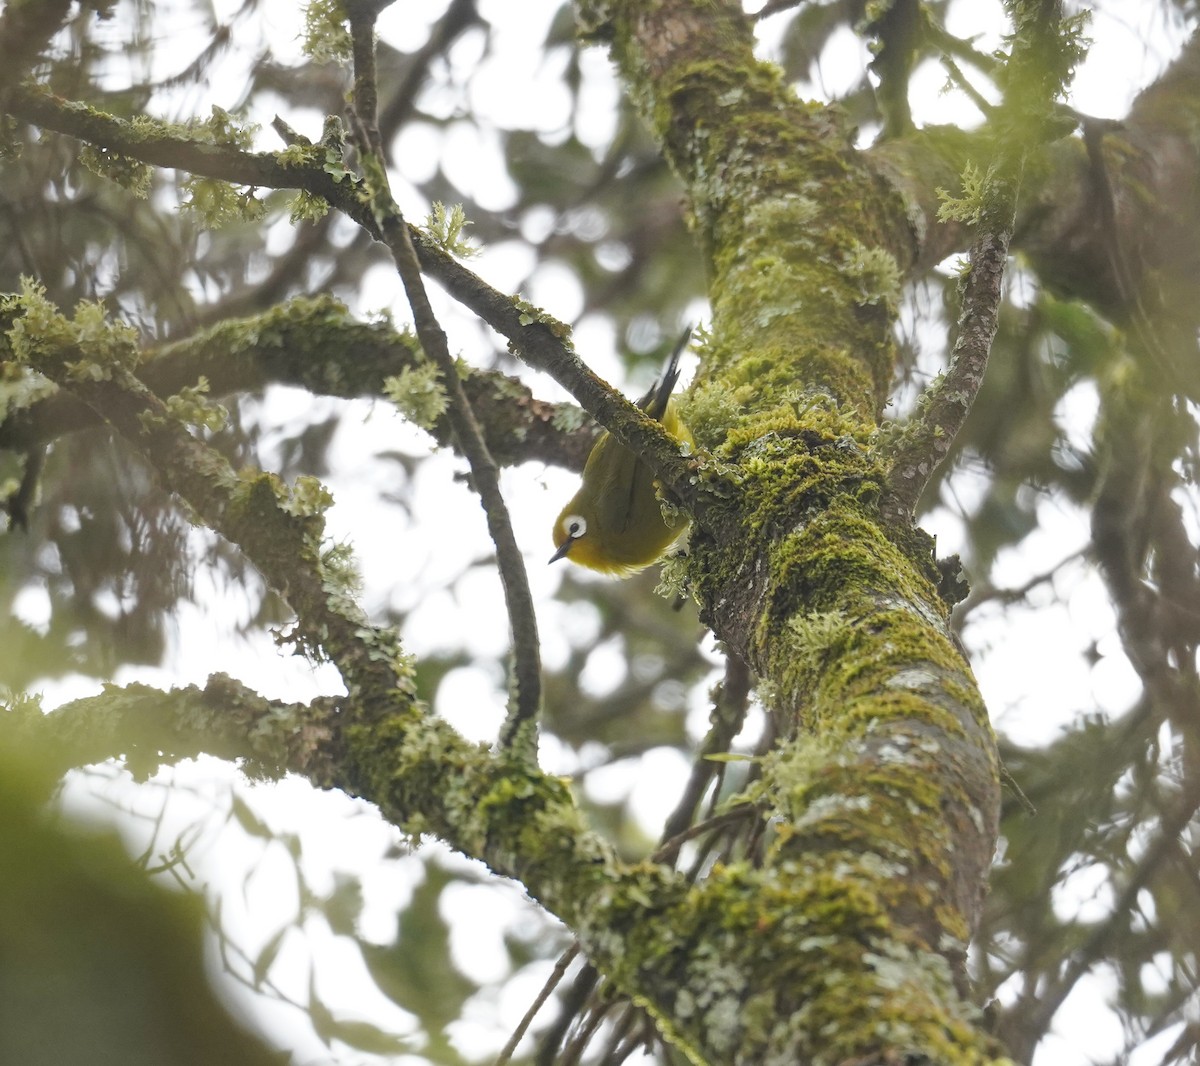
335	166
39	330
301	155
215	204
326	36
788	217
445	227
223	128
419	394
191	405
878	274
307	497
531	315
131	174
339	569
973	205
814	638
673	578
568	418
307	207
709	408
37	324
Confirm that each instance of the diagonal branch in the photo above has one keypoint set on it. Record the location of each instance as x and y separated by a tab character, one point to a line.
527	669
534	336
1038	69
279	529
927	441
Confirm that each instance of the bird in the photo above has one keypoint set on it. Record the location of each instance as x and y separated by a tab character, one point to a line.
614	524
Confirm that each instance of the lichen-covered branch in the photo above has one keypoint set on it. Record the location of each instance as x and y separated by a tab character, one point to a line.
921	446
148	729
1042	58
278	528
314	343
536	337
381	743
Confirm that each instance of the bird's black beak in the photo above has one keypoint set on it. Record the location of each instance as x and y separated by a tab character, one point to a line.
563	548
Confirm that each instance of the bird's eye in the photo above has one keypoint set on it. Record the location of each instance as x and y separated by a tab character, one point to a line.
575	525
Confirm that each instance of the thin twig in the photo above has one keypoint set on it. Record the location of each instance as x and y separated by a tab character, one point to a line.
527	683
1036	72
1101	937
614	1053
986	107
573	1052
581	988
927	440
982	594
715	824
726	718
560	969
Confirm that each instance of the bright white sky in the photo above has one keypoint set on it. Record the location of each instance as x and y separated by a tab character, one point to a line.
411	566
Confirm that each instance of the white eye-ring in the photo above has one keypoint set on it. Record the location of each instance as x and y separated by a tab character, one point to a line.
575	526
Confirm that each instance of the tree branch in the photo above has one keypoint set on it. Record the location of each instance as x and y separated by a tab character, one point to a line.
149	729
533	335
314	343
1040	1009
527	669
1038	69
928	439
279	529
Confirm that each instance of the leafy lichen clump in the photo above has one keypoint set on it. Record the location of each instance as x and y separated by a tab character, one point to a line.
215	204
89	344
326	35
419	394
445	226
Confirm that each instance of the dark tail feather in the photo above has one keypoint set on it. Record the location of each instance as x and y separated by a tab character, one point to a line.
655	401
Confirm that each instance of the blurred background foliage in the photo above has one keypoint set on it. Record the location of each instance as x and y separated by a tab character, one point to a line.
1094	898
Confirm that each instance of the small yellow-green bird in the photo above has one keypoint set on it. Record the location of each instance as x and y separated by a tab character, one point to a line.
614	523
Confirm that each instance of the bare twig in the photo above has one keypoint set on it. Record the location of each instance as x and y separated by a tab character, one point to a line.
560	969
726	717
527	680
577	995
1100	939
986	107
983	593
